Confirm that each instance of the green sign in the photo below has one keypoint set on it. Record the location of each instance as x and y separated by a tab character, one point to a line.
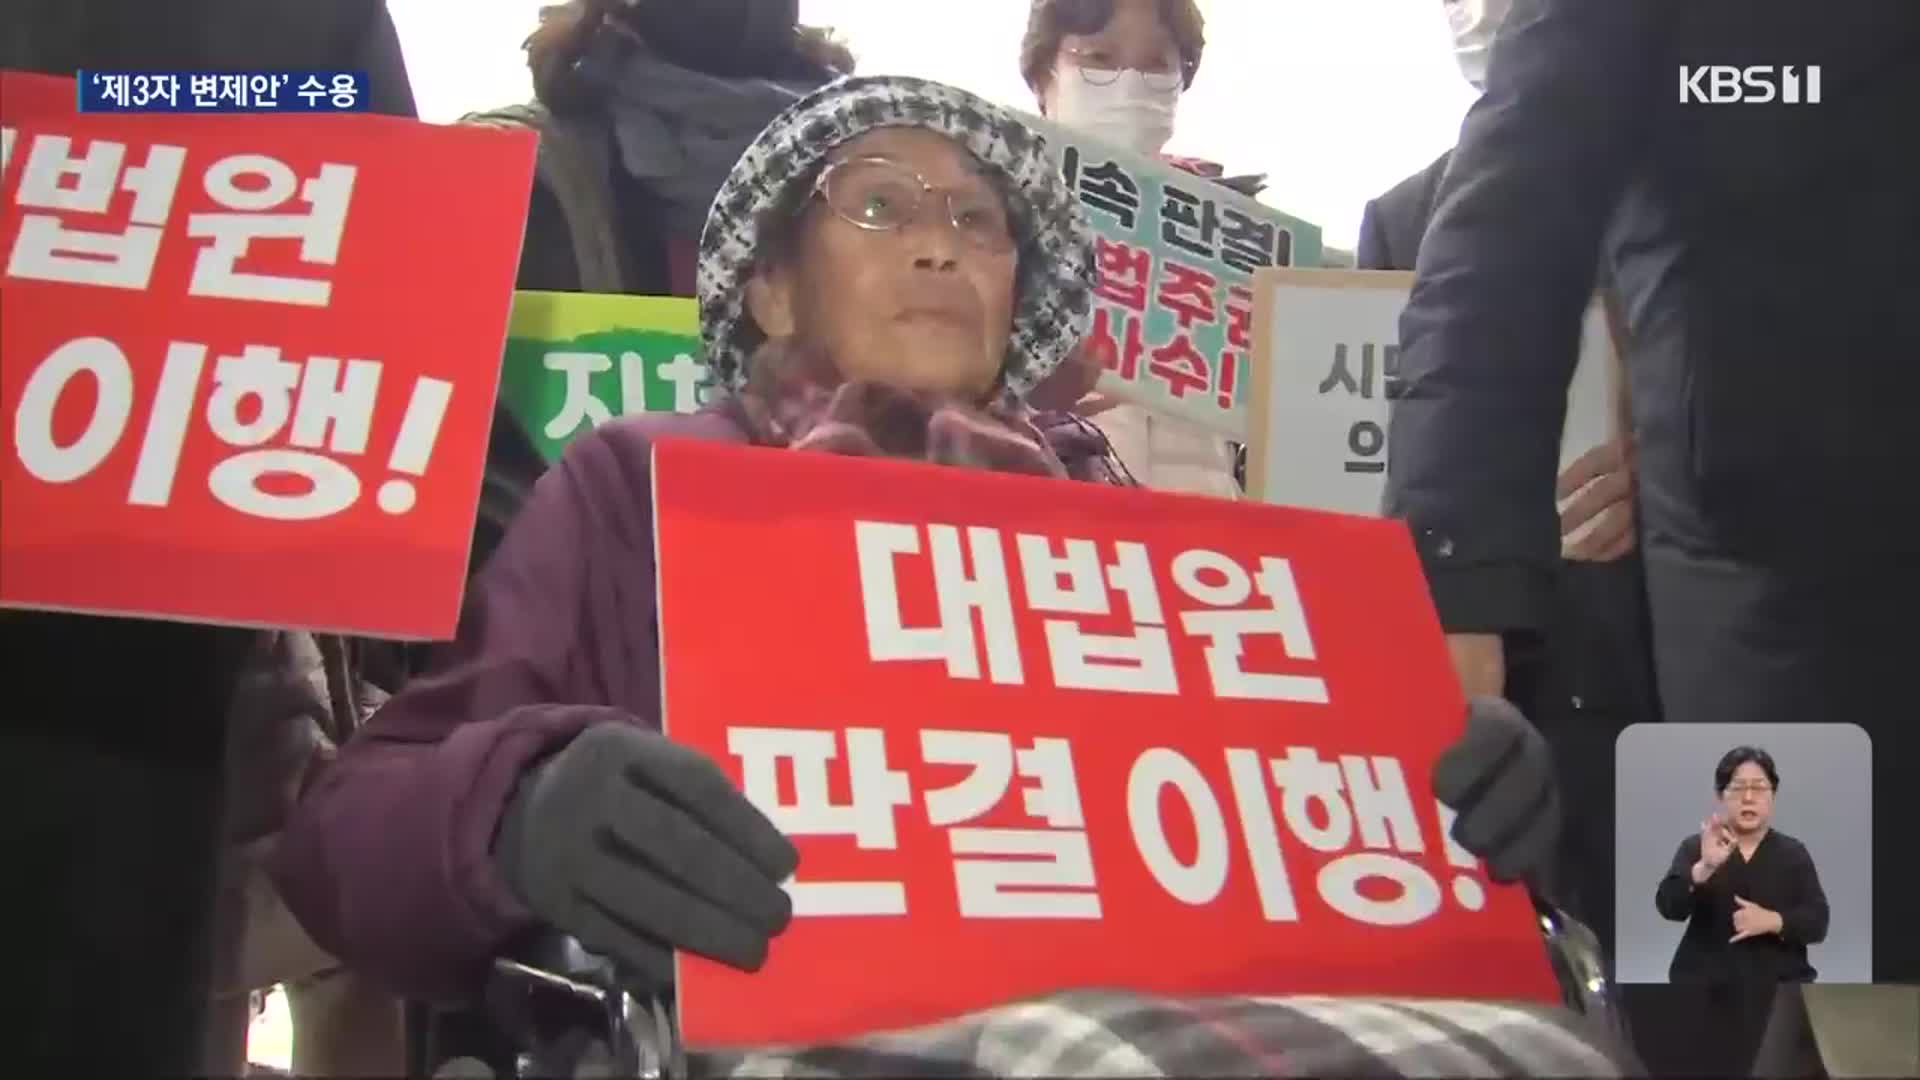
1176	256
576	360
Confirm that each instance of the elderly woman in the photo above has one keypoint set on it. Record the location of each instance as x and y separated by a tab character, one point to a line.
889	269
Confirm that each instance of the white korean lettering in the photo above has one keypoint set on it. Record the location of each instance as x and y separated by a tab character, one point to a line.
579	405
46	249
1227	630
1305	781
413	447
318	229
1046	864
1339	886
331	486
1270	877
989	758
154	473
114	89
337	404
346	91
1382	808
1196	883
33	436
684	374
97	176
1075	583
1468	891
259	374
7	135
879	546
1053	866
876	789
234	89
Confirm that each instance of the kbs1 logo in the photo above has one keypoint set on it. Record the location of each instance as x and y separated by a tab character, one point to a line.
1757	84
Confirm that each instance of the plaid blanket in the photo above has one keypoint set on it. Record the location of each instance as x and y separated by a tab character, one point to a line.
1112	1034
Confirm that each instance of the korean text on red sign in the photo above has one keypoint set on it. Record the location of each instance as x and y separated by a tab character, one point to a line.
1034	735
247	370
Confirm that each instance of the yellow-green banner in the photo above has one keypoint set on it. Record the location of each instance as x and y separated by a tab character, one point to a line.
576	360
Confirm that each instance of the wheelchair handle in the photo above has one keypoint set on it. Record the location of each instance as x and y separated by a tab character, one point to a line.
640	1034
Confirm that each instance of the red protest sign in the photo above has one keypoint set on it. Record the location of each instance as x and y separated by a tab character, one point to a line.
247	365
1032	735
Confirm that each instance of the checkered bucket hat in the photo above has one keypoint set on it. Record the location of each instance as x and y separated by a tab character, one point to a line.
1054	289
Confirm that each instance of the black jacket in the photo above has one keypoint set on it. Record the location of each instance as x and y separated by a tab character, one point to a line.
1597	618
62	36
1769	260
115	727
1392	225
1780	877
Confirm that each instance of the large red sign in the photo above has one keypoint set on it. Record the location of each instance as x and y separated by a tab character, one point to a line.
1034	735
247	364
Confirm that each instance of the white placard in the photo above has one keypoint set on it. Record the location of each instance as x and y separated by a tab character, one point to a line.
1326	345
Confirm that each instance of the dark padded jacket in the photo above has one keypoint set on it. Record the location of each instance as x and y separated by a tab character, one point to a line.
1769	260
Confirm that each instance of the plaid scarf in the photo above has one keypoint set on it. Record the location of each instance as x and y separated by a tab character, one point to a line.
793	400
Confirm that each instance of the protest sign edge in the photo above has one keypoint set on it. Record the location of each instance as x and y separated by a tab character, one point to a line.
530	152
1260	384
548	314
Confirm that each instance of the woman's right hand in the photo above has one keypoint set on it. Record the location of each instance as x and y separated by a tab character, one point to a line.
636	845
1716	843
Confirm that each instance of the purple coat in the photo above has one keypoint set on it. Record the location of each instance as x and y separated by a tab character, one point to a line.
386	861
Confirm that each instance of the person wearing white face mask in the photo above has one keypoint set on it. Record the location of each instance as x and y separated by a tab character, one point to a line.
1115	70
1590	674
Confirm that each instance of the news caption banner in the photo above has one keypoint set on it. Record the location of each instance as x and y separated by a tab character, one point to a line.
576	360
220	91
1175	255
247	369
1327	371
1031	736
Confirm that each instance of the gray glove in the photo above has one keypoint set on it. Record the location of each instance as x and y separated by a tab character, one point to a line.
1499	779
636	845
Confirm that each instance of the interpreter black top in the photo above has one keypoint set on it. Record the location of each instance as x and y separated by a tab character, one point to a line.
1779	877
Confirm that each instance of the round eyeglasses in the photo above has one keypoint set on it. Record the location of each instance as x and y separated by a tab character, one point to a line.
1099	68
881	195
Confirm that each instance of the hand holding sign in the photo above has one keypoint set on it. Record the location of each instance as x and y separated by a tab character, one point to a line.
1499	777
637	845
1752	920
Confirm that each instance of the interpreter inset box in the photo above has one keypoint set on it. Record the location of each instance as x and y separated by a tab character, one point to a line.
1743	851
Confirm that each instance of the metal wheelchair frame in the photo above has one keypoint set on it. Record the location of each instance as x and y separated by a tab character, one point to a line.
555	1011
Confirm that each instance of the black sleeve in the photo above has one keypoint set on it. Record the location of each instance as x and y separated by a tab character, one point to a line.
1805	919
1490	336
389	90
1372	252
1674	897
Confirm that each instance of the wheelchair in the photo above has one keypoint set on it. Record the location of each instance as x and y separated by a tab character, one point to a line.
554	1010
551	1010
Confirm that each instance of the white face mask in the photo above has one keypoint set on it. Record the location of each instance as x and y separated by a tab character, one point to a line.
1474	23
1125	111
